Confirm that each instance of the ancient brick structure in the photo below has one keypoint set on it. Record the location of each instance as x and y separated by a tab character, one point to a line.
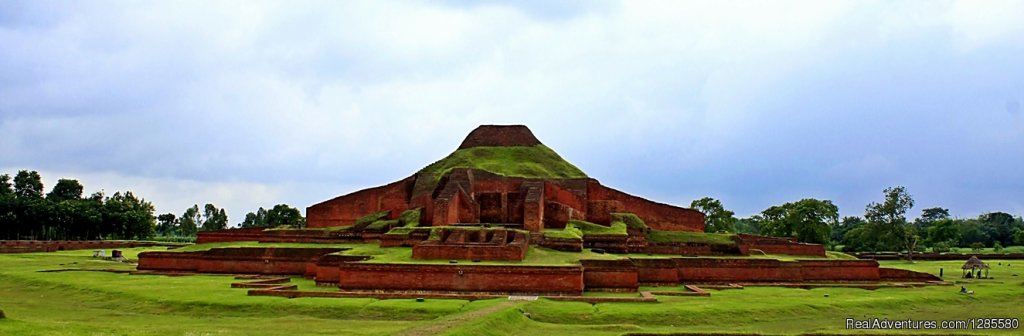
469	195
495	244
238	260
462	278
25	246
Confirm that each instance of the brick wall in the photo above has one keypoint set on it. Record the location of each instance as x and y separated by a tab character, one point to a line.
239	260
346	209
462	278
658	216
23	246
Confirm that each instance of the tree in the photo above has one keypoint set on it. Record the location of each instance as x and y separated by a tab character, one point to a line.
716	217
971	232
845	225
190	221
167	224
749	225
944	231
214	218
65	189
809	220
999	226
890	218
28	185
6	188
1018	237
280	214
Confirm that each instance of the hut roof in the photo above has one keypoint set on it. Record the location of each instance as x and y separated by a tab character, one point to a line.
975	263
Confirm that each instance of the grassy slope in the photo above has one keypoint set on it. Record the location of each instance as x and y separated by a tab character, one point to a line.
520	161
689	237
107	303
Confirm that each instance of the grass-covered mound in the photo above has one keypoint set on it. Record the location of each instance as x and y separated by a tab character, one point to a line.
616	228
656	236
516	161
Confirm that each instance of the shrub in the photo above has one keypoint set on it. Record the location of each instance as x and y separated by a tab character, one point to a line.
940	247
2	316
632	221
362	222
410	218
998	247
977	246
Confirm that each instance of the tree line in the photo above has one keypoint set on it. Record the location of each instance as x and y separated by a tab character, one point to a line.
883	227
66	214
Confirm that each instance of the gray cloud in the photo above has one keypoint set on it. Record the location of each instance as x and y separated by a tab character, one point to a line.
757	105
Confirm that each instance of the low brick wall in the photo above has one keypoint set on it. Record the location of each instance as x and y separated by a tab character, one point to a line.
737	270
691	249
431	250
839	270
615	275
462	278
938	256
894	274
657	271
25	246
777	245
238	260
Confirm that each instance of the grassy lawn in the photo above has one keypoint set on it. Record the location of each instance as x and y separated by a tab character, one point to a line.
690	237
101	303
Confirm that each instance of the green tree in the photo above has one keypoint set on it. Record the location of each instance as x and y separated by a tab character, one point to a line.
282	214
971	233
167	224
845	225
1018	237
889	217
716	217
999	226
749	225
28	185
944	231
809	220
65	189
190	221
214	218
6	188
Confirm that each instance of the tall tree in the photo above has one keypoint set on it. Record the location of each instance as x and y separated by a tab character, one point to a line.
809	220
65	189
214	218
167	224
890	218
6	188
944	231
190	221
28	185
716	217
1000	227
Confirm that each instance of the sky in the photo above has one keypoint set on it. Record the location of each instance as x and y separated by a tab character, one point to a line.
248	104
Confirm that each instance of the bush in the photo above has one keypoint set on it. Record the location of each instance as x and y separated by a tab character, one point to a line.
632	221
998	247
2	316
410	218
977	246
940	247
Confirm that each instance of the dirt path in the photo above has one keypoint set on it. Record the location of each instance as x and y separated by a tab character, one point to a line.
448	322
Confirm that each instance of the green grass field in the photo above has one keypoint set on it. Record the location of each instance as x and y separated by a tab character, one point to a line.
102	303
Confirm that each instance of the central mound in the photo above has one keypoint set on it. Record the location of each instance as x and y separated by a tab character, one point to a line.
510	150
500	174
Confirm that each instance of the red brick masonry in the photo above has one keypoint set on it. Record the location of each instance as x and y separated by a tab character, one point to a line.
23	246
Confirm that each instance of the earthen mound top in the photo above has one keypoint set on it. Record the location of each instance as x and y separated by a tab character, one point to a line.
500	136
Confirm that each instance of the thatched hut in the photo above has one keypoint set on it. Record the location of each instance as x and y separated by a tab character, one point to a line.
975	265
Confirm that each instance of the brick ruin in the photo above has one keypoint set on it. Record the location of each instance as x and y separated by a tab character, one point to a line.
472	215
468	195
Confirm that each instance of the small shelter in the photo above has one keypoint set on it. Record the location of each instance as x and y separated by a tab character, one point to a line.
974	264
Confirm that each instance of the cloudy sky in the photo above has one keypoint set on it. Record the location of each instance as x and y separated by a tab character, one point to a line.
247	104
